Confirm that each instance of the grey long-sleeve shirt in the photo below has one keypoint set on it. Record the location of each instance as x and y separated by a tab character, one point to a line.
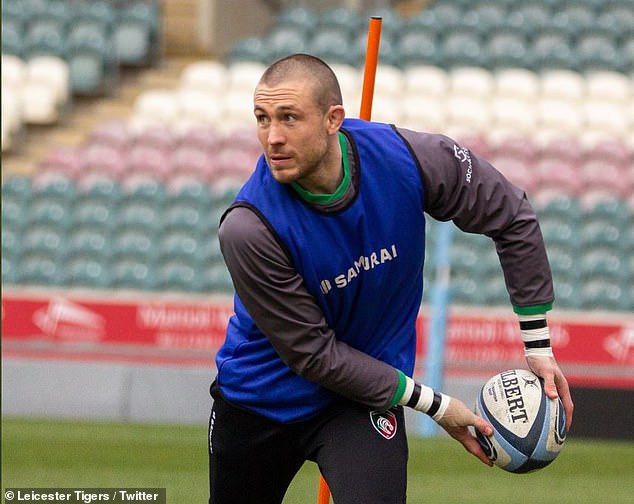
458	186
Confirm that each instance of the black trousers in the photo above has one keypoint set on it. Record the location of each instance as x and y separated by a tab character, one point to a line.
361	453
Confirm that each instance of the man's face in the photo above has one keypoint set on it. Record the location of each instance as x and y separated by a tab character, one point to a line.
293	131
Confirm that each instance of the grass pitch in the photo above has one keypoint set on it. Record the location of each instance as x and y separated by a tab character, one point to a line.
51	453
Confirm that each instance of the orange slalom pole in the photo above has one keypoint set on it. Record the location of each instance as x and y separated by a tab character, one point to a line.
367	93
371	62
323	494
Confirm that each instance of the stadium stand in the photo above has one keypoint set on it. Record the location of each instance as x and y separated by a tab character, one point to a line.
543	89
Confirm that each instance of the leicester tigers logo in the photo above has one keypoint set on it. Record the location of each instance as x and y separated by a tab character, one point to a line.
384	422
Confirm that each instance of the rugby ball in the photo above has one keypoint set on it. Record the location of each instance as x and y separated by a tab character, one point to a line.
529	429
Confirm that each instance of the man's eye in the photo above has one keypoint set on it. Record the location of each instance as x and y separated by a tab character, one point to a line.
290	117
262	119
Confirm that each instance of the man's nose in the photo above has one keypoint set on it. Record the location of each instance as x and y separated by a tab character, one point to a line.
276	135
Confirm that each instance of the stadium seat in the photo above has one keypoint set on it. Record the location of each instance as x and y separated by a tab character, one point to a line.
597	52
596	233
561	84
89	242
99	188
14	71
87	272
146	162
99	12
517	83
333	45
53	186
92	67
65	161
136	274
282	41
38	269
462	49
506	49
423	113
248	50
52	212
608	85
12	37
179	244
606	115
528	18
182	216
426	81
144	190
417	48
196	162
43	240
136	35
104	160
553	51
297	17
340	18
471	81
94	214
113	133
197	108
601	295
605	175
135	244
216	278
573	20
561	116
139	216
44	37
153	107
513	114
206	75
180	276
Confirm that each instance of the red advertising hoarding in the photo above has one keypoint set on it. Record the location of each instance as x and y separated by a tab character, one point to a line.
594	351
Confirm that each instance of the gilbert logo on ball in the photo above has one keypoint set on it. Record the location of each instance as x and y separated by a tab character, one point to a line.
529	428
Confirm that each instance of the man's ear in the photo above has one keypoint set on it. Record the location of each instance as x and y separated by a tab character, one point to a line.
335	117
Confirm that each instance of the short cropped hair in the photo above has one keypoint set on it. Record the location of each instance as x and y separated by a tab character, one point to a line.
316	71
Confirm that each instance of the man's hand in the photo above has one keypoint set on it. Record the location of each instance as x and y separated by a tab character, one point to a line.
555	383
456	420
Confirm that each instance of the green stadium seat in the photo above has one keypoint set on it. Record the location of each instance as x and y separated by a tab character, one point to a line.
90	243
134	274
417	48
45	37
462	49
40	269
136	35
249	49
553	51
529	19
341	19
573	21
61	188
12	37
17	186
600	232
14	213
507	50
137	215
597	52
87	272
89	49
333	46
44	240
297	17
601	263
484	19
10	273
601	295
180	276
567	292
182	215
135	244
179	245
286	40
94	214
54	213
216	278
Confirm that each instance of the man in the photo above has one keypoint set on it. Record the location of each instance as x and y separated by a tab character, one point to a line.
325	245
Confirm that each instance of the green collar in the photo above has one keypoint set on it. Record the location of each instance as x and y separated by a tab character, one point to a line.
325	199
